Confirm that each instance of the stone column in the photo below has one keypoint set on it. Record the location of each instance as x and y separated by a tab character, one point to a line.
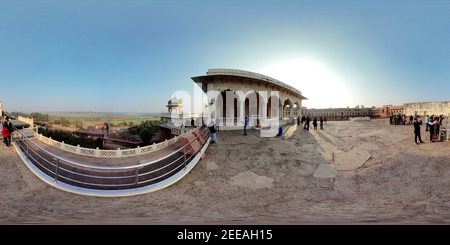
292	111
282	112
241	117
263	111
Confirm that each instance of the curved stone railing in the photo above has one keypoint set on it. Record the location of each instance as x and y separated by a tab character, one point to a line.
110	181
109	153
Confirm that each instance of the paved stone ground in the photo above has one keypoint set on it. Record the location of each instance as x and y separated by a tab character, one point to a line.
350	172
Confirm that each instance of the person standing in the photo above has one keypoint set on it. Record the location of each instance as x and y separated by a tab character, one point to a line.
315	123
417	130
325	119
426	123
308	121
10	126
431	125
298	121
245	126
437	126
5	134
410	119
212	129
321	123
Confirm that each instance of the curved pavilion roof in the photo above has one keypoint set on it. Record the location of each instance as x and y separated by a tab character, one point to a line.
247	74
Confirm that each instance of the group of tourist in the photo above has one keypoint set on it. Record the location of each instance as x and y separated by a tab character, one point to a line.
400	119
6	132
432	123
306	120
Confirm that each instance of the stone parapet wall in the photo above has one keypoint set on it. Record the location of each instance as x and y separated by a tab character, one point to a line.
428	108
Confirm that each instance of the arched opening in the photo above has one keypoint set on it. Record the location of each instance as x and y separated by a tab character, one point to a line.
224	112
273	112
296	109
287	106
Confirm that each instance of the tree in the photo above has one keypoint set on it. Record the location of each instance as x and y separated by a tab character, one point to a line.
78	124
146	135
65	122
39	116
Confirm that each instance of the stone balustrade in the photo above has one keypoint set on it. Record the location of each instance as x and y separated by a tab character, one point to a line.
108	153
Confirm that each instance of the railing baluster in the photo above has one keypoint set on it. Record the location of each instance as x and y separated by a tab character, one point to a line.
137	176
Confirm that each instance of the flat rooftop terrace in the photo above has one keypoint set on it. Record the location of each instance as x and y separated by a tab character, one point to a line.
352	172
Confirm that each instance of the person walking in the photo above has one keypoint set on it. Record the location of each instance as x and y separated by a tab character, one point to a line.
410	119
298	121
325	119
417	130
321	123
315	123
245	126
212	129
5	134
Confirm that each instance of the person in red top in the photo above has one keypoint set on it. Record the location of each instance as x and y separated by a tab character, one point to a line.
5	134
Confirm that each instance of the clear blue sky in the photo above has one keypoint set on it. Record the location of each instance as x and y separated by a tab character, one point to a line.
130	56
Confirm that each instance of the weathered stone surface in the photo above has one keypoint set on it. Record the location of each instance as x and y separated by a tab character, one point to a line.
211	165
353	159
325	171
251	180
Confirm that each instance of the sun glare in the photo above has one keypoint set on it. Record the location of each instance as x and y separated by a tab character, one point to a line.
322	88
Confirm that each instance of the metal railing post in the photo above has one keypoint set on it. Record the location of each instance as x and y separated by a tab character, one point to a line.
185	157
137	176
56	171
28	154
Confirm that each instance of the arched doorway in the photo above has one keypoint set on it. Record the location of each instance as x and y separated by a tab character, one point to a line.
273	112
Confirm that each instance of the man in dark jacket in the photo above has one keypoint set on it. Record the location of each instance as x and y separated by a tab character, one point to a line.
417	130
308	120
212	129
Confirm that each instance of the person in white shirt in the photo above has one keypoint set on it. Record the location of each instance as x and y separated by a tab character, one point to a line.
432	125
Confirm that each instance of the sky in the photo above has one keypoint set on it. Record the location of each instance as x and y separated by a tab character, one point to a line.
131	56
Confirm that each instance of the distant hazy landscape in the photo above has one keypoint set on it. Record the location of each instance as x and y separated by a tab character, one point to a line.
89	118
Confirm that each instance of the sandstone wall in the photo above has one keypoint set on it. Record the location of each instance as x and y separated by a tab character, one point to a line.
428	108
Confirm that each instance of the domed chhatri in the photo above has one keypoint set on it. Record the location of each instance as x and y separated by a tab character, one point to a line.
174	102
